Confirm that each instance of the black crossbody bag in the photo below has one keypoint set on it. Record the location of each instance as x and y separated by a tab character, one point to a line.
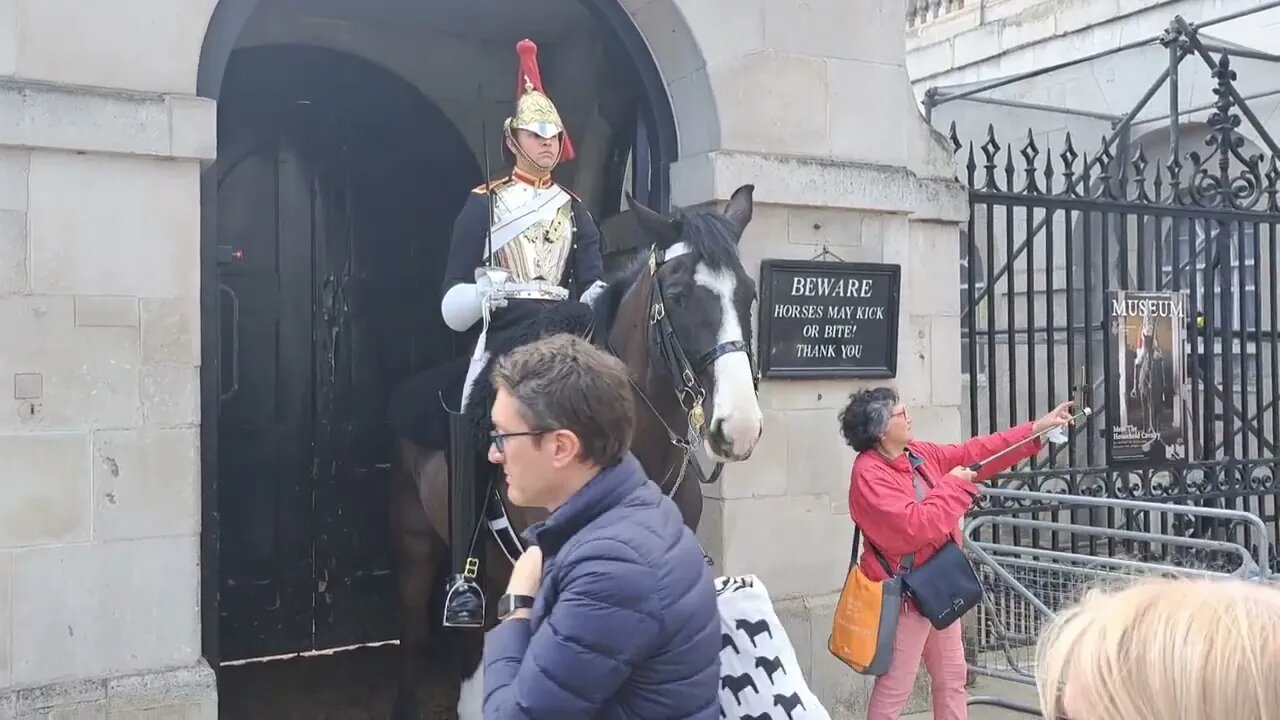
944	588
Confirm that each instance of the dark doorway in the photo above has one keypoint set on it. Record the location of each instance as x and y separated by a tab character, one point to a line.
337	185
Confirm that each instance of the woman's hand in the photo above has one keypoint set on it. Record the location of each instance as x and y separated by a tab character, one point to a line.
963	473
1058	417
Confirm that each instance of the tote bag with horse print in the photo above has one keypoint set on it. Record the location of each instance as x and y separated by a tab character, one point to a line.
760	676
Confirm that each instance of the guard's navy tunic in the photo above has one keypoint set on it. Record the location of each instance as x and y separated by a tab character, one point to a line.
415	412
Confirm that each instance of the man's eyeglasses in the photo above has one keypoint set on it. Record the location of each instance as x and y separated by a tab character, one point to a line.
499	440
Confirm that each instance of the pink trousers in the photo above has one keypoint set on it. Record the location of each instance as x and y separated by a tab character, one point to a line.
943	654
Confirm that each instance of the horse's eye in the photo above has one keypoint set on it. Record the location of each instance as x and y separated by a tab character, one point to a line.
676	298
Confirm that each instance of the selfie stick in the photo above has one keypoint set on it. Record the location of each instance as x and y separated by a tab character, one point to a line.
977	467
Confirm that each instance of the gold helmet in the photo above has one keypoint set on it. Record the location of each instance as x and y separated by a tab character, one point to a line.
534	110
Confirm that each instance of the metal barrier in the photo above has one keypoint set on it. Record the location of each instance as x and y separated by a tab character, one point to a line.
1027	583
1004	705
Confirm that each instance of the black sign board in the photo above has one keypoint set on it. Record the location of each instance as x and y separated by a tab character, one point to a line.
828	319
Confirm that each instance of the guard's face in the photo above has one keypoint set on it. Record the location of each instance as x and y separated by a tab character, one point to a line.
525	453
544	152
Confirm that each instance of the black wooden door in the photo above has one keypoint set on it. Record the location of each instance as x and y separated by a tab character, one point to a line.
354	585
338	185
266	416
302	452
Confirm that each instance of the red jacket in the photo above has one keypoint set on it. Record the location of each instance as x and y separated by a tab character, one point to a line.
882	497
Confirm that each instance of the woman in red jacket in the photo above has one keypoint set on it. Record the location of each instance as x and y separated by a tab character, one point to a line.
909	496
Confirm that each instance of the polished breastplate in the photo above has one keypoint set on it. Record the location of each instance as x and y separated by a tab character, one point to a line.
541	251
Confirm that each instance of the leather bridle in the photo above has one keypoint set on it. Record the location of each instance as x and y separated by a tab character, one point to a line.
689	389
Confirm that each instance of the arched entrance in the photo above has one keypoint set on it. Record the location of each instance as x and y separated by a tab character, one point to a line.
335	176
325	222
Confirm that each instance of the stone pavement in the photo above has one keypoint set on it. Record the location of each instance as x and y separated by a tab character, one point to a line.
354	685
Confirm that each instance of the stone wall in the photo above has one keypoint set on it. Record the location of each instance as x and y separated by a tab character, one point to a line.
101	145
815	109
99	434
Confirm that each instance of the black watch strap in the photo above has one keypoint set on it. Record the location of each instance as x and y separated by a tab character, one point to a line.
508	604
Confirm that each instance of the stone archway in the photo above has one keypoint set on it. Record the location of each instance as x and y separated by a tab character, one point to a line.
654	152
660	44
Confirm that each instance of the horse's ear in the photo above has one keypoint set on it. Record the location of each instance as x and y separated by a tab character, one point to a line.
739	208
662	231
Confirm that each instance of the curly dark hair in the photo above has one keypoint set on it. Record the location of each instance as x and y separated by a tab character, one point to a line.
864	419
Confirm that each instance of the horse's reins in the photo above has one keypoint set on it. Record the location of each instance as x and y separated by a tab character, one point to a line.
689	390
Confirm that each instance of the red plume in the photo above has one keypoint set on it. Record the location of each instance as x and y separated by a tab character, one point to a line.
528	53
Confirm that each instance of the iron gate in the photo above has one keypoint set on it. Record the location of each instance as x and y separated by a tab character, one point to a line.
1053	232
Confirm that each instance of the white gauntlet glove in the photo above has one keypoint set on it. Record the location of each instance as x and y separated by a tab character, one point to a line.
465	303
593	292
491	288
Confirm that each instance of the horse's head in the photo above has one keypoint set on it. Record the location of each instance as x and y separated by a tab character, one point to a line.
698	300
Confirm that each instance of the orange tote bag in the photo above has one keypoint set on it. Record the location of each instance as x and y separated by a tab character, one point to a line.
866	619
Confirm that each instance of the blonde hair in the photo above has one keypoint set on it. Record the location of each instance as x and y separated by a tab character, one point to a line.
1166	649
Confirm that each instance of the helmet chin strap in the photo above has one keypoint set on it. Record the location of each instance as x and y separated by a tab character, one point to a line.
533	163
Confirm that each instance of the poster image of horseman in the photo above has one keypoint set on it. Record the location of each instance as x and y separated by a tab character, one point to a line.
1150	400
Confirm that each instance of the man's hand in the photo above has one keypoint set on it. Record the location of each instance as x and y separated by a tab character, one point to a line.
963	473
1058	417
526	576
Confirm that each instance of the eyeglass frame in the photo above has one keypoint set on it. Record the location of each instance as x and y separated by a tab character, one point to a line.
498	440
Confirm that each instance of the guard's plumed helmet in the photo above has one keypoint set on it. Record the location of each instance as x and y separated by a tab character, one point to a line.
534	110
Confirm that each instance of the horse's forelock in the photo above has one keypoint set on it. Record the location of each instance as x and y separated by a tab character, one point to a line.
709	235
712	237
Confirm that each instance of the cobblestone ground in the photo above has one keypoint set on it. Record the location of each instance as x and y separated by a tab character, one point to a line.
354	685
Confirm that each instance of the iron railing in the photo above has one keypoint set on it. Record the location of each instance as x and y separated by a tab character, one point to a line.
1053	232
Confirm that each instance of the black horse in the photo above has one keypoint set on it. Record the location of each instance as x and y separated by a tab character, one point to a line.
680	319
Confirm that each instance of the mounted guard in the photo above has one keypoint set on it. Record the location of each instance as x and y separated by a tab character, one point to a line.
522	246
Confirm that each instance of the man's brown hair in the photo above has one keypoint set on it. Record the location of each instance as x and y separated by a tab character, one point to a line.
563	382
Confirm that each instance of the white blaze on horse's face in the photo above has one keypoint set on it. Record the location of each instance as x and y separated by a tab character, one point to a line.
735	421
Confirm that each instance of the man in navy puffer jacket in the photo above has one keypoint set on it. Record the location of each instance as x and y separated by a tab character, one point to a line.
611	612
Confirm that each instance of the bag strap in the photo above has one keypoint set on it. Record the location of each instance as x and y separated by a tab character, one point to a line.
910	559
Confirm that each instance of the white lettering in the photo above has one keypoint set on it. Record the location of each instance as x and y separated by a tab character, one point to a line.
798	312
815	351
831	287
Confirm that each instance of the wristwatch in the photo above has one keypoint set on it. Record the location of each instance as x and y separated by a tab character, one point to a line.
508	604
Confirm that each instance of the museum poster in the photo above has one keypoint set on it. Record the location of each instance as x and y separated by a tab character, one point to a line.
1149	397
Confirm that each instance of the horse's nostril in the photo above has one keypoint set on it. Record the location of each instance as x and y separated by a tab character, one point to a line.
717	429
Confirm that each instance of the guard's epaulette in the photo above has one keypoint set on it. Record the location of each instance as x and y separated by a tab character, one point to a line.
492	185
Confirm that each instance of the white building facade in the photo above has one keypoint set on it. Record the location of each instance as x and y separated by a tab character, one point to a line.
123	125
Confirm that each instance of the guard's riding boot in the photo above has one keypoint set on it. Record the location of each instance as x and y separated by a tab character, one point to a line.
464	602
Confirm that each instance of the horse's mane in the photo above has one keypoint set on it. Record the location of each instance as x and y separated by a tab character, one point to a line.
709	235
